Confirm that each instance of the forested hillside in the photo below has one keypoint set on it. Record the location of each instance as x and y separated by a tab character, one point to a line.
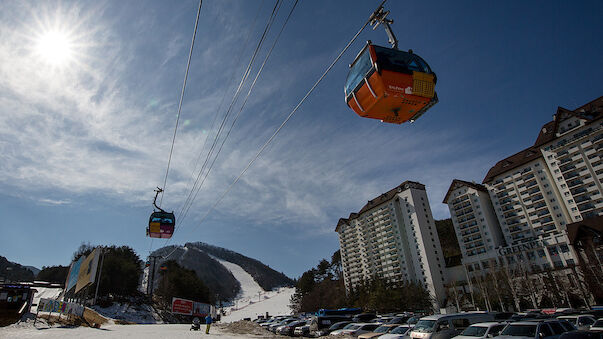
13	272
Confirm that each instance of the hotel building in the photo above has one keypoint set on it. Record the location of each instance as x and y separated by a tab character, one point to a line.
535	194
393	237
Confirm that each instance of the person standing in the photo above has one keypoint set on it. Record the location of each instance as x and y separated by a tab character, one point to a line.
208	321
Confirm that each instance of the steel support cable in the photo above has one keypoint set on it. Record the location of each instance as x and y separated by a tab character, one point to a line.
188	201
188	65
229	82
235	97
245	100
279	128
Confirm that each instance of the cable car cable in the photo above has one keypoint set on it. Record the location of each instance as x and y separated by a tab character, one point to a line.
229	82
282	125
188	65
188	201
244	101
179	110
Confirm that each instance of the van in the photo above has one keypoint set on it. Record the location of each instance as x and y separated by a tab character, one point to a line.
447	325
323	322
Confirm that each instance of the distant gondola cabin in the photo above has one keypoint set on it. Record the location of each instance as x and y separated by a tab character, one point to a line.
161	225
390	85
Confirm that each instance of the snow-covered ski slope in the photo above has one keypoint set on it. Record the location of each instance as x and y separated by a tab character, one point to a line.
253	300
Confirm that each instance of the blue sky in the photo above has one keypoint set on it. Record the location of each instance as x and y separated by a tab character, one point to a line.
85	142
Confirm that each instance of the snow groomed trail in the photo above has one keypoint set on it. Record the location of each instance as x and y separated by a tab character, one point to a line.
253	300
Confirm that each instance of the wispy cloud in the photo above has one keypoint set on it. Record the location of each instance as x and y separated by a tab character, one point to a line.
105	125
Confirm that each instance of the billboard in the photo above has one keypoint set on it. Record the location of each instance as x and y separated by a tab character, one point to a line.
87	273
189	307
74	272
202	309
182	306
49	305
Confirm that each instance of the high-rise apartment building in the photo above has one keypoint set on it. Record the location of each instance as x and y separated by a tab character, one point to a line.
393	237
475	223
535	194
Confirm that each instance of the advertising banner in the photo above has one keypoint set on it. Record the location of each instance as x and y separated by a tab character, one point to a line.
182	306
74	272
87	272
201	309
56	306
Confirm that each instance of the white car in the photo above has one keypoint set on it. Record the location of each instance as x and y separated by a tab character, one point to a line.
398	332
356	329
597	326
482	330
582	321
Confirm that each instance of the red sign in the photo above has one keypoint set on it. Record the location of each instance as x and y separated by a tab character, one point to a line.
182	306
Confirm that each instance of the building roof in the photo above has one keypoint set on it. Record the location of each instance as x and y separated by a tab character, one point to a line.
456	183
380	200
586	227
590	112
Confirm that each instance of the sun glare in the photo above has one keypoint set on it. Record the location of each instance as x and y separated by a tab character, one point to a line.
55	48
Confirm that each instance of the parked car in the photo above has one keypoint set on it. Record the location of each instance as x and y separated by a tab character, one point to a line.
482	330
302	331
447	325
363	317
399	320
356	329
536	329
399	332
384	328
334	327
582	335
597	326
287	321
323	322
581	321
290	327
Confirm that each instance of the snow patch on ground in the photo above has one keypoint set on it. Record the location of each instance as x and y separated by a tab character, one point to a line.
117	331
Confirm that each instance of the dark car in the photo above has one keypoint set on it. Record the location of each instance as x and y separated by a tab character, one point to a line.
335	326
363	317
323	322
290	328
581	335
399	320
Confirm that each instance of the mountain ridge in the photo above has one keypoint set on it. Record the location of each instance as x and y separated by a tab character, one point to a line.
200	257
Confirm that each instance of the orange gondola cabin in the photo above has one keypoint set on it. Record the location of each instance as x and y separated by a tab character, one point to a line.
390	85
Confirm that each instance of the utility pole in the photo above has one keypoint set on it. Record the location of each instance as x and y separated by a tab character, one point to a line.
152	273
102	250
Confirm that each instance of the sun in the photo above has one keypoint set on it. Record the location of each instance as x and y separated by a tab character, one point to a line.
55	47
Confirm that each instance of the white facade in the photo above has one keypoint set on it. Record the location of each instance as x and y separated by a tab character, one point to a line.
475	222
537	192
393	237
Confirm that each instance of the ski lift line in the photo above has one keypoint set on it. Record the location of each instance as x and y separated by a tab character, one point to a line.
246	98
284	122
213	123
188	65
190	199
